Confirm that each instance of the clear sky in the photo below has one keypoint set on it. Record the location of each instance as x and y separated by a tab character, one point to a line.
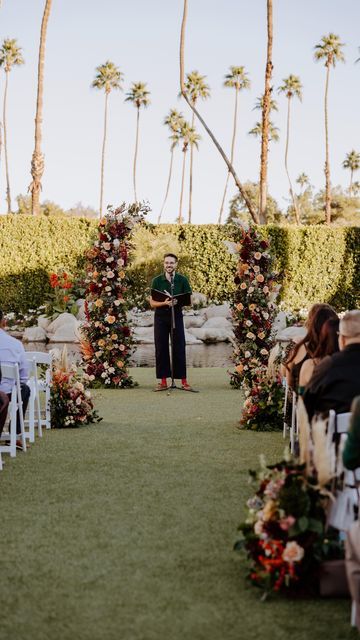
142	38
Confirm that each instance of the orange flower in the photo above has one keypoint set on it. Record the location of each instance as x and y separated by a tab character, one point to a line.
122	274
120	364
260	278
99	302
113	336
66	298
239	368
240	306
110	319
86	349
101	342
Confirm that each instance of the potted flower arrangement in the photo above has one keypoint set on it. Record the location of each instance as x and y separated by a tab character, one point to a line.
284	533
107	340
71	402
61	299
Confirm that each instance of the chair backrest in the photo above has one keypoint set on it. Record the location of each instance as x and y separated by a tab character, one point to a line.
10	372
40	357
339	422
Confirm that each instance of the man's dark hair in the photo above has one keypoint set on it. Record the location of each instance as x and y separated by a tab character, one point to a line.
171	255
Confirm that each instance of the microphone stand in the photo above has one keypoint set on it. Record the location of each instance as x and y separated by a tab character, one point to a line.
172	327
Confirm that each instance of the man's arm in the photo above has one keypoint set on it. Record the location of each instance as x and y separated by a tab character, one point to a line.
23	365
154	304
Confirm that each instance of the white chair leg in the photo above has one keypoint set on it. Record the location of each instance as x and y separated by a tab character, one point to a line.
47	401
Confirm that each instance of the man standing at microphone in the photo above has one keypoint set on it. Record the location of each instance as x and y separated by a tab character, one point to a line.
164	287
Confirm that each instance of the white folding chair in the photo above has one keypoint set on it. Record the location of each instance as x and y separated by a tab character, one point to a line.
11	372
42	384
34	411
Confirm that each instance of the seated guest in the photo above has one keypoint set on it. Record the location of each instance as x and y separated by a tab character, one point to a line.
328	344
305	349
4	403
13	352
336	380
351	453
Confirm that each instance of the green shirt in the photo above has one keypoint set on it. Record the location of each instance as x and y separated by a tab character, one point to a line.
181	284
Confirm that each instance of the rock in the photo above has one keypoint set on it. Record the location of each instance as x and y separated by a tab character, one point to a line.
194	321
43	322
279	323
34	334
65	328
144	335
144	319
212	334
218	310
218	322
190	339
81	312
291	333
198	299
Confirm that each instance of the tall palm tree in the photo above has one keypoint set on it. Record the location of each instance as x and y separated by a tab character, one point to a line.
253	213
259	104
37	160
196	88
356	188
190	138
330	50
139	96
265	115
303	180
352	162
291	87
108	78
174	121
10	56
237	79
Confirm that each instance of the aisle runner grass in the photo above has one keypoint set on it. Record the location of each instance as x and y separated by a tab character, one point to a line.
124	530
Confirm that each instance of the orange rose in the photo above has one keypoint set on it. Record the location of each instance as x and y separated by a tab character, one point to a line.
99	302
120	364
239	368
260	278
110	319
240	306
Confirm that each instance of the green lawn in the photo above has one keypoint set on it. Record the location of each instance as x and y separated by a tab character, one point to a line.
124	530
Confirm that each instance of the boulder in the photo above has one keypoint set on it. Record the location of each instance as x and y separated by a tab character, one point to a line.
34	334
191	321
81	312
43	322
212	334
279	323
65	328
190	339
218	310
144	335
291	333
144	319
198	299
218	322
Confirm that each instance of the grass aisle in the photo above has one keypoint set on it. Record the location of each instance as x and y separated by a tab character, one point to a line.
124	530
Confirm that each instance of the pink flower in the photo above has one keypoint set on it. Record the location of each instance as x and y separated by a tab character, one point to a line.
110	274
293	552
260	277
257	255
243	285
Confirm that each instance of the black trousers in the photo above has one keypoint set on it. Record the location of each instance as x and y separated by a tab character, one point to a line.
25	395
4	403
162	331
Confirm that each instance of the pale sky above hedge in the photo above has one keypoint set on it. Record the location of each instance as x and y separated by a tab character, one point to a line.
142	38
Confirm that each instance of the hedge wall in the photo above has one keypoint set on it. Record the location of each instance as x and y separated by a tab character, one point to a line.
319	263
32	247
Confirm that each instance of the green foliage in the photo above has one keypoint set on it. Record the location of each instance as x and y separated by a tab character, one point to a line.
319	263
33	247
238	207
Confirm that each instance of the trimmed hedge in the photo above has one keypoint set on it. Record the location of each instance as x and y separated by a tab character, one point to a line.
319	263
31	248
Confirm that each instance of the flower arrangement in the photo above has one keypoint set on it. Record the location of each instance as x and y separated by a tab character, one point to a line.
62	298
71	403
284	531
254	309
107	340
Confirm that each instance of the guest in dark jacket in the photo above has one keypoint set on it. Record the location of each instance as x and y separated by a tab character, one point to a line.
336	380
351	453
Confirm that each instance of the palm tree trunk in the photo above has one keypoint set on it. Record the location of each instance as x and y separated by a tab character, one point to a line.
232	153
252	212
327	163
293	197
351	182
182	189
265	117
168	184
191	172
136	151
37	161
8	196
103	156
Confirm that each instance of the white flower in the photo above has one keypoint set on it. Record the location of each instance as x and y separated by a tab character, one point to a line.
110	259
78	400
110	274
293	552
250	335
104	374
111	370
247	354
248	323
120	262
116	303
116	242
108	288
91	377
251	289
